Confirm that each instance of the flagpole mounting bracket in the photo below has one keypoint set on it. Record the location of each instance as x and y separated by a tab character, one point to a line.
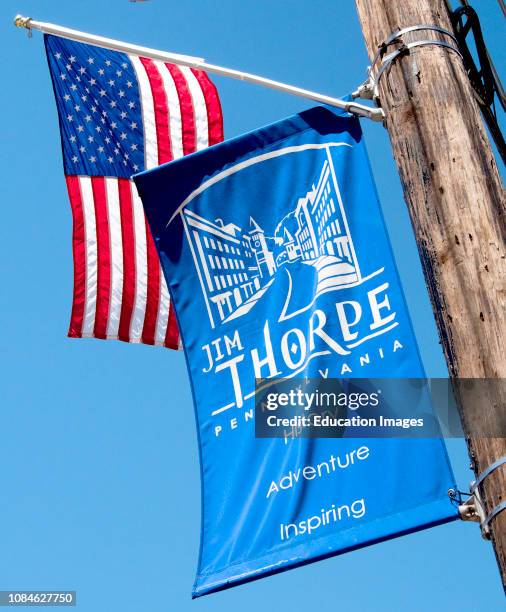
473	509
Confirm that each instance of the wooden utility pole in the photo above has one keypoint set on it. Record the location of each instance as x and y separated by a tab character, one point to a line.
457	205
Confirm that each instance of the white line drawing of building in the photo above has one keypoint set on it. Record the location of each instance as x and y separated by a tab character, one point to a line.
258	244
321	228
235	267
323	234
292	247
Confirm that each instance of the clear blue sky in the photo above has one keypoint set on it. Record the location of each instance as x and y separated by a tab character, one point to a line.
99	478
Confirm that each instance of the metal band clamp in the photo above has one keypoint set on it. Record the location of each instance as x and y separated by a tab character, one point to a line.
473	509
493	513
369	89
491	468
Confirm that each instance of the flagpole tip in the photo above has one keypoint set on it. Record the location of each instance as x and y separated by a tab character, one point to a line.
22	22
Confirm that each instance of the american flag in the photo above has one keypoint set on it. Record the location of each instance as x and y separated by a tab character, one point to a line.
120	114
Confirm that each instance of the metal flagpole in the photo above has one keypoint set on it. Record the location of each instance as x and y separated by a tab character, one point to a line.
376	114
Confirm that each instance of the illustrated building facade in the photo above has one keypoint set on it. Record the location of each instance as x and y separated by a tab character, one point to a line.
321	226
291	245
233	265
258	244
236	266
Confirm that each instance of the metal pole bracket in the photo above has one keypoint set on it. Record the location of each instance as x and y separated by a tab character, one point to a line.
473	509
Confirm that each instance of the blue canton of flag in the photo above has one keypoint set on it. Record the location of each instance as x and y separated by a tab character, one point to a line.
99	103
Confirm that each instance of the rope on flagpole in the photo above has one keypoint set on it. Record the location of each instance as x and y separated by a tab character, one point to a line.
361	110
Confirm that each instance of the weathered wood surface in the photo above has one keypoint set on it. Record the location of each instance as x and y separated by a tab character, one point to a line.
457	205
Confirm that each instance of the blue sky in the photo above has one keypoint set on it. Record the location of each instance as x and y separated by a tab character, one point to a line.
99	473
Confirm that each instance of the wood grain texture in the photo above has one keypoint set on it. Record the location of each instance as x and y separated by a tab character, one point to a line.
457	206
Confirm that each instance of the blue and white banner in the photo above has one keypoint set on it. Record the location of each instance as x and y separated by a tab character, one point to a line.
279	265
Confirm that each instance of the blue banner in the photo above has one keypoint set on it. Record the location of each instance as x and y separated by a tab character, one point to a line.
279	266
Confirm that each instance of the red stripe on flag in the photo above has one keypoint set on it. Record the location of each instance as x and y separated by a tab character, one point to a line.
172	334
79	254
187	112
153	297
161	110
103	257
213	106
128	239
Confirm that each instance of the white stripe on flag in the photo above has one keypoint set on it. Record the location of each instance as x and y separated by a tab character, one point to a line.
141	267
91	255
175	123
163	311
116	242
148	114
199	108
